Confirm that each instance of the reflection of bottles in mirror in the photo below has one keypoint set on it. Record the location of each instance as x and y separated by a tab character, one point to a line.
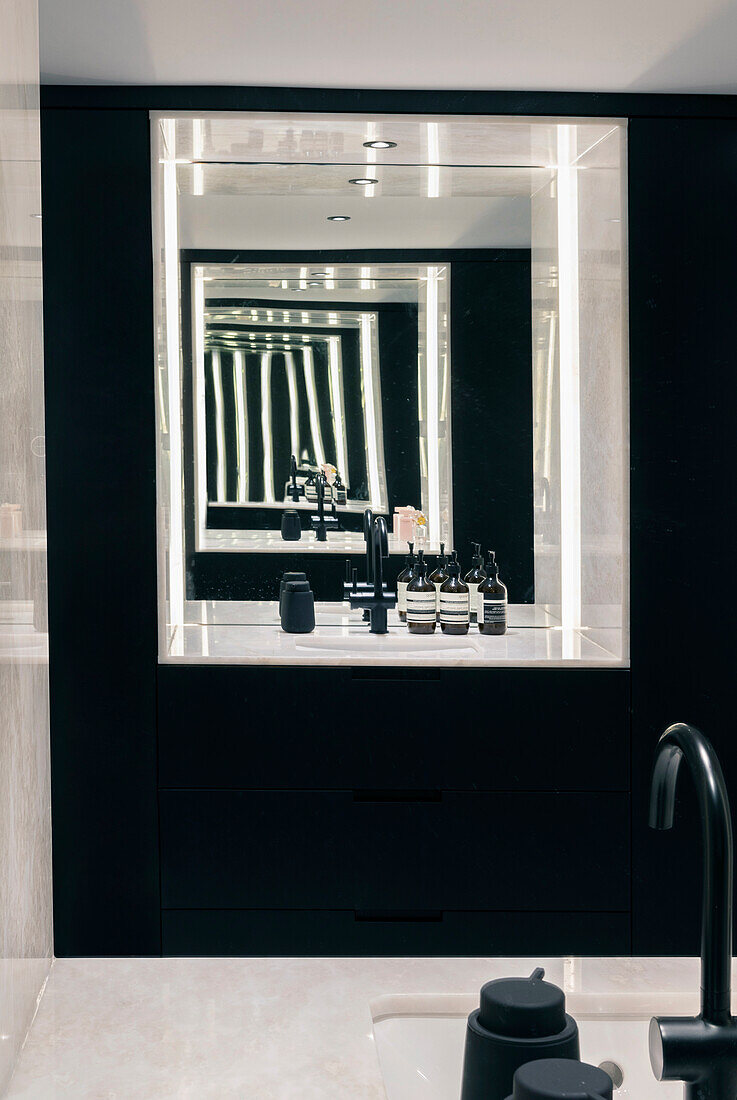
454	614
421	530
492	600
403	580
473	579
438	577
421	600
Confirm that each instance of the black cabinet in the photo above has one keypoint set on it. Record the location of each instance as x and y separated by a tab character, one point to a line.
335	850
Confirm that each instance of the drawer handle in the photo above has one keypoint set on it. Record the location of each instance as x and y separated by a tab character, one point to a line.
397	916
369	795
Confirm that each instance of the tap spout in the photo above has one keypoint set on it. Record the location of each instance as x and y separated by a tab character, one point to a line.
680	742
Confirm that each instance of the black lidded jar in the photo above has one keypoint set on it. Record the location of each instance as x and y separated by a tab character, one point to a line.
492	600
519	1020
438	577
454	611
403	580
473	579
420	600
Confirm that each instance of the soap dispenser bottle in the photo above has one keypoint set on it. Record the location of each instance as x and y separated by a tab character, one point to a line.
492	600
454	601
403	580
438	577
519	1020
420	600
473	579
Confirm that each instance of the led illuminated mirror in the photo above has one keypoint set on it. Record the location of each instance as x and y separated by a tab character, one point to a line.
419	316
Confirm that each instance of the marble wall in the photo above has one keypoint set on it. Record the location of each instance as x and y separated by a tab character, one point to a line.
25	819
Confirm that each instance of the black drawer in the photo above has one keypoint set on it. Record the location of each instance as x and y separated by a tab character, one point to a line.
313	932
455	729
335	850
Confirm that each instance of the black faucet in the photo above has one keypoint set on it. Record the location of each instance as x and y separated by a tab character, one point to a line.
700	1050
375	598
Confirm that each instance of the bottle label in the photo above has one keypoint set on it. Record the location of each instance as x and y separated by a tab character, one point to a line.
454	607
473	596
402	595
420	607
437	596
491	610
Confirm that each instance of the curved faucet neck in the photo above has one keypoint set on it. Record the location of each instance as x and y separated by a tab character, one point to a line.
678	742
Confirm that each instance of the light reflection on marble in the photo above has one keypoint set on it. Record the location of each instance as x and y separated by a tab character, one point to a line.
275	1029
25	828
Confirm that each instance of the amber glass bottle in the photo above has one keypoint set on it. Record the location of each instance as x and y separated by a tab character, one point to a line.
438	577
492	600
403	580
420	600
454	601
473	579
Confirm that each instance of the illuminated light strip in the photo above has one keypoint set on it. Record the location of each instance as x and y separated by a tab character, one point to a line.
241	425
200	406
303	278
367	376
309	368
365	278
371	154
171	321
336	397
330	282
269	495
197	148
432	411
217	386
293	404
570	412
433	157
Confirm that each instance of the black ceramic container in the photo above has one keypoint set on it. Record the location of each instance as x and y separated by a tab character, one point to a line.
560	1079
519	1020
297	608
291	528
283	584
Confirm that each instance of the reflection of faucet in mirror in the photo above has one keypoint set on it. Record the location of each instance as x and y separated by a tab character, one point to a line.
376	599
318	521
296	491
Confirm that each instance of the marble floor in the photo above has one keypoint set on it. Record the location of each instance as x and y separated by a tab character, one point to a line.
271	1029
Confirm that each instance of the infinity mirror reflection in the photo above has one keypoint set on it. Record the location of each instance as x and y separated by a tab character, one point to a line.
353	392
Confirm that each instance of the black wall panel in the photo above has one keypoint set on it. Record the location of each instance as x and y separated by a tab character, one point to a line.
683	286
98	338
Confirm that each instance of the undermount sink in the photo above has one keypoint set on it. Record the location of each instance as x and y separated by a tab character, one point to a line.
420	1042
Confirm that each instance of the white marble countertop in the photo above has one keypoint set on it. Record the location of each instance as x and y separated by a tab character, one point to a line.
271	1029
250	633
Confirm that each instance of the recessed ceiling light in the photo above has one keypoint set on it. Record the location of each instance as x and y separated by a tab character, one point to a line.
314	284
364	180
339	217
318	274
380	144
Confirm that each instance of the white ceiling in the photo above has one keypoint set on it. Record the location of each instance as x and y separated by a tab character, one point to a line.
660	46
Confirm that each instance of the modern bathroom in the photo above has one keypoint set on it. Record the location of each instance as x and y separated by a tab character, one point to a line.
366	427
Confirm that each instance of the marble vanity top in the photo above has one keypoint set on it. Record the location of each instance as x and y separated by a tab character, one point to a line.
271	1029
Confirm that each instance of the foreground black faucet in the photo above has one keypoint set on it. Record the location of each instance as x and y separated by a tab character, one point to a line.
700	1050
375	597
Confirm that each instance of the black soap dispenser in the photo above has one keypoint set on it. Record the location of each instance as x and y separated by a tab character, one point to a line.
561	1079
519	1020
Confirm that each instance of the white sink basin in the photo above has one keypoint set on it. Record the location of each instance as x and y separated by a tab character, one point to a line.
421	1051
